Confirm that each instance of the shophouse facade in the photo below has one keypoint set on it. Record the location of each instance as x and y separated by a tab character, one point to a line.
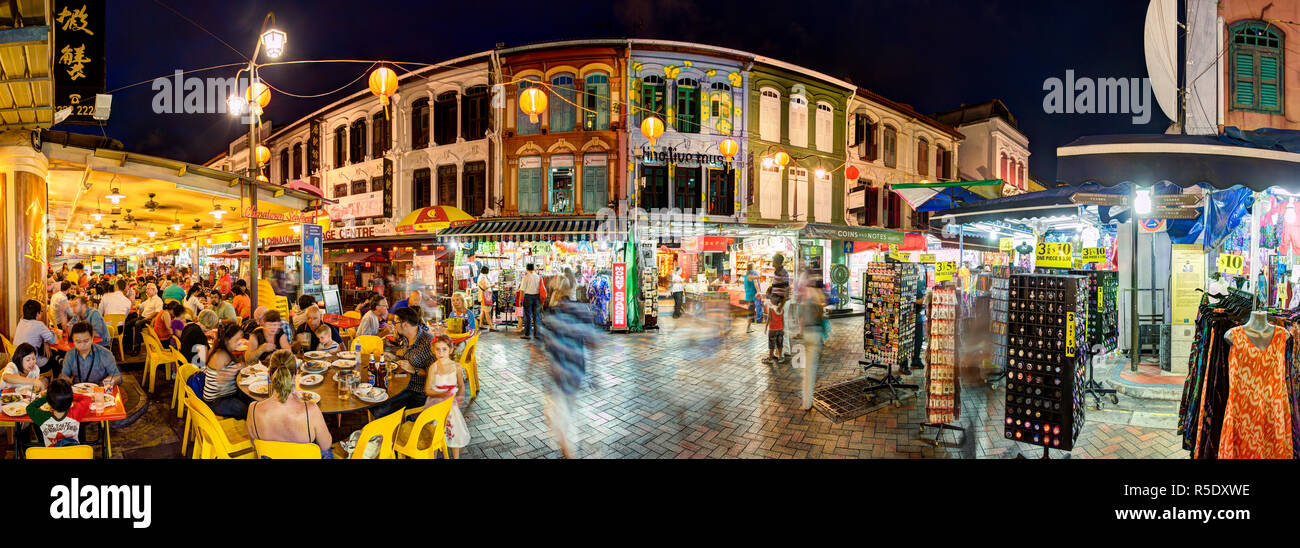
993	148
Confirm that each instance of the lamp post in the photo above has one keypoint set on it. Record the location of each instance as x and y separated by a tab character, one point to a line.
273	40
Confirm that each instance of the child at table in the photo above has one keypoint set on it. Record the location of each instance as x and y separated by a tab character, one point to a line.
445	380
60	425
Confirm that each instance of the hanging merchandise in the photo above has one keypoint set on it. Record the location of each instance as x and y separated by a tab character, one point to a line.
1046	367
943	404
1103	312
998	315
890	321
598	293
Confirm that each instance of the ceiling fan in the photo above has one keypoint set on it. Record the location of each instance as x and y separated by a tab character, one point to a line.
196	225
153	205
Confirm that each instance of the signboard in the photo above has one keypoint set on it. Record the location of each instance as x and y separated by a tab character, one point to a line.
1069	334
943	271
251	212
1231	264
893	249
313	235
714	244
1006	244
1054	255
388	188
313	148
358	232
1152	225
618	299
928	258
900	257
1094	254
861	234
78	56
1186	276
357	206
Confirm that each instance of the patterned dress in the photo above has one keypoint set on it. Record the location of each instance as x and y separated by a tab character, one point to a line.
1258	420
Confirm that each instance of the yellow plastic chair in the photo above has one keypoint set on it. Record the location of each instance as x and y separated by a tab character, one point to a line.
409	434
351	332
9	354
385	428
61	453
218	439
9	347
370	345
113	320
286	450
156	355
469	361
183	374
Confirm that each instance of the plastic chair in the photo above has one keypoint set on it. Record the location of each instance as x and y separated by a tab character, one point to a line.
113	321
61	453
286	450
469	361
219	439
156	355
351	332
183	374
407	439
385	428
370	344
9	347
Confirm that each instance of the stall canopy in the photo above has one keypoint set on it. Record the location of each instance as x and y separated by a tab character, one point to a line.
1053	202
949	198
433	219
539	229
1256	160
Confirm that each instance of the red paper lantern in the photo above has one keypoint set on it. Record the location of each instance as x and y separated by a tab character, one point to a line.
851	173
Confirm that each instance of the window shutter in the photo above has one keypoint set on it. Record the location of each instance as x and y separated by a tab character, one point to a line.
1245	79
1268	80
869	150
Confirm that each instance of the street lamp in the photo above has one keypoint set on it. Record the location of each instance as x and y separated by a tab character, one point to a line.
273	40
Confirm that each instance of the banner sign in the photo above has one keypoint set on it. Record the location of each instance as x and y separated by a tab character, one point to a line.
1069	334
357	206
618	300
251	212
313	236
943	271
860	234
1006	244
1231	264
1054	255
928	258
78	55
1094	254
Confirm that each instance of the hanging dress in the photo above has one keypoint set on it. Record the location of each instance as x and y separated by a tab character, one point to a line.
1258	420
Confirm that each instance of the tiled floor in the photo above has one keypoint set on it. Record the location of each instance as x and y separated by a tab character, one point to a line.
677	394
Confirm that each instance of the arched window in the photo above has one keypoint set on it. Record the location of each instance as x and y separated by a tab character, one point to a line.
688	105
596	101
563	105
769	116
382	130
340	146
1256	54
942	160
798	121
477	118
284	166
718	113
889	144
445	121
825	127
652	98
522	125
420	123
297	161
1002	171
357	142
922	156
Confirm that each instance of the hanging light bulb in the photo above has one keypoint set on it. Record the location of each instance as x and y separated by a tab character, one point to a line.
116	196
217	211
296	228
87	226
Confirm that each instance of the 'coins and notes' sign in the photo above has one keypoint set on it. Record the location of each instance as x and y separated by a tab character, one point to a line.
1094	254
1231	264
943	271
1054	255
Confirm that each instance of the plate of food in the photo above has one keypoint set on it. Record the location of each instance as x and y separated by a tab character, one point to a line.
347	355
344	364
316	354
7	399
308	396
373	395
253	369
260	388
315	366
250	379
311	380
14	409
85	388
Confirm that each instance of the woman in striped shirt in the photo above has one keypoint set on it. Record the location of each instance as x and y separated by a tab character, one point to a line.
219	389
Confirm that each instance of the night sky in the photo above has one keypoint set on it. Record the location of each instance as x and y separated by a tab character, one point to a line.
932	54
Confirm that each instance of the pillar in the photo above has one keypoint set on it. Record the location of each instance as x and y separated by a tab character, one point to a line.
23	205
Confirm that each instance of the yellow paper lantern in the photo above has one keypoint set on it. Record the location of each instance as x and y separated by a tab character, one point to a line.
258	94
728	147
532	102
383	83
263	154
782	158
652	128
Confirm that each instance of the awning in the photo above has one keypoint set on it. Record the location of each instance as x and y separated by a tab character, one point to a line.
949	198
539	229
1053	202
1184	160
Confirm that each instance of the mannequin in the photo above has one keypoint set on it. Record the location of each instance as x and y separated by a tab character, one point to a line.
1257	330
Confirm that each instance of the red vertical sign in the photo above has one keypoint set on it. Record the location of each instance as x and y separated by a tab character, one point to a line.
618	301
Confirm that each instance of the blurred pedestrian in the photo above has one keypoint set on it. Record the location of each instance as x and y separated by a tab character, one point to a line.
568	331
676	286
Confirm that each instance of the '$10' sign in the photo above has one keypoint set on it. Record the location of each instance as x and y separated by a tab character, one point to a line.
1231	264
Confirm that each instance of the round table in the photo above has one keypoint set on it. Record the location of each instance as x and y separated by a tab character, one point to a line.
330	403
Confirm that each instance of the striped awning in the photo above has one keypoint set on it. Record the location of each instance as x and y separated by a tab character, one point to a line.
525	230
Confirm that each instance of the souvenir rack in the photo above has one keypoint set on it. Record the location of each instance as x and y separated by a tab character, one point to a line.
889	322
1045	359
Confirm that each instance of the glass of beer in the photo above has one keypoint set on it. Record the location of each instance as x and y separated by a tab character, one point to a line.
345	382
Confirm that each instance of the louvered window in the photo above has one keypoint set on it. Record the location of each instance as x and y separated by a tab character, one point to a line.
1256	53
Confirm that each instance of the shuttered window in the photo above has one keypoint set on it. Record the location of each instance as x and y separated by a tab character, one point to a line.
1256	54
890	142
530	190
447	185
473	188
563	105
522	124
825	127
422	188
922	157
798	121
596	115
652	98
595	183
688	105
769	116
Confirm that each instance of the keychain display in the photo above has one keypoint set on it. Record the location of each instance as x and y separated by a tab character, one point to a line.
889	291
1046	359
943	403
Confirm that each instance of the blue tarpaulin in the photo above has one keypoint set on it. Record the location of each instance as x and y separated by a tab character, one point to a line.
1286	140
949	198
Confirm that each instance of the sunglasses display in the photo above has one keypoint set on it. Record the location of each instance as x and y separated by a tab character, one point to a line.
890	294
1047	317
943	403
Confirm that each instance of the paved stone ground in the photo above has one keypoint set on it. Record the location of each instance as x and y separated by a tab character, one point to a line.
662	395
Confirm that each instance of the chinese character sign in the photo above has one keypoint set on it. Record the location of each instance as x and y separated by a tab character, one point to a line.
78	53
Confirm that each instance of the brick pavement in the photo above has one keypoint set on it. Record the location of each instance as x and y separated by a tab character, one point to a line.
663	394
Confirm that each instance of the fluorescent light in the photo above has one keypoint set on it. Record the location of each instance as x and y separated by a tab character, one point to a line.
209	192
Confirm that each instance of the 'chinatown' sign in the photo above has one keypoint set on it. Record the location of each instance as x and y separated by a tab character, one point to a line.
671	154
78	52
618	299
251	212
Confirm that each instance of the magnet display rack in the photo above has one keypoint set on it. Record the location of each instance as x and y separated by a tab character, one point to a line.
1103	327
998	322
889	322
1046	321
942	383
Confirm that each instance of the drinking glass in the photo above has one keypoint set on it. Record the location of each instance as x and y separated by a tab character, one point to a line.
345	382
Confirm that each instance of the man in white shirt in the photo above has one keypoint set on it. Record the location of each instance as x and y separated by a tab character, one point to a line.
116	302
150	307
531	288
59	302
32	330
675	286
